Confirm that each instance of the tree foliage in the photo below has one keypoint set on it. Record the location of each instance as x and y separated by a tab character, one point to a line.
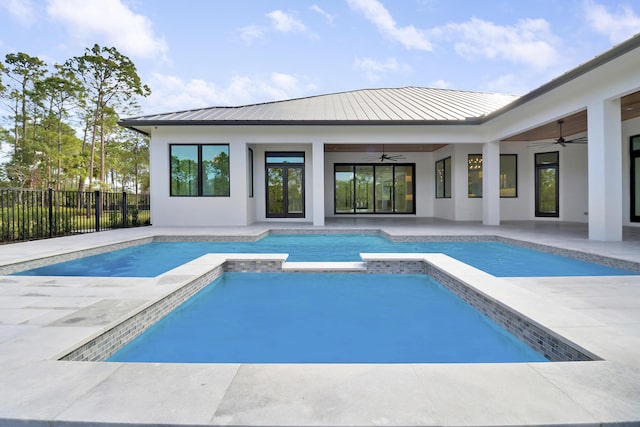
60	121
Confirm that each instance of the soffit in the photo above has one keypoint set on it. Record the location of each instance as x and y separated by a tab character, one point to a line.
381	148
577	123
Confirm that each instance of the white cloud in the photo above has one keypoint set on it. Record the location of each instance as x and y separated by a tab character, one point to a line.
21	10
128	31
285	23
374	70
251	33
279	21
529	41
617	26
171	93
322	12
410	37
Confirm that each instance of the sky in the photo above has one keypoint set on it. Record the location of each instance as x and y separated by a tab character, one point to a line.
202	53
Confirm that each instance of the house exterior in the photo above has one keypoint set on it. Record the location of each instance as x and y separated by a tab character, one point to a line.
411	152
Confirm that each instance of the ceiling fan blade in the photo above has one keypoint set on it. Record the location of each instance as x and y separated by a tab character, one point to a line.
580	140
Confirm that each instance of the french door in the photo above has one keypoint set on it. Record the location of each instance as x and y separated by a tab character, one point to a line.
285	185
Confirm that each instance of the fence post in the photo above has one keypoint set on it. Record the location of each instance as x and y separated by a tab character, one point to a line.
98	209
125	214
51	225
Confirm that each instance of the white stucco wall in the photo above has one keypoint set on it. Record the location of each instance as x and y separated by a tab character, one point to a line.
196	211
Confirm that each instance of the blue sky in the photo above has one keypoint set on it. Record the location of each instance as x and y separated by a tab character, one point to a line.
198	53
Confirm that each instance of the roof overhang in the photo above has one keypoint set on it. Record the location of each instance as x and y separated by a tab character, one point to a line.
630	106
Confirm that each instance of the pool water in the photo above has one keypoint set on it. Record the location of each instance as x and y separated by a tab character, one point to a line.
498	259
325	318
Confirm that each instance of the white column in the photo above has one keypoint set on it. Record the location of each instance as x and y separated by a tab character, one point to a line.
491	183
318	183
605	170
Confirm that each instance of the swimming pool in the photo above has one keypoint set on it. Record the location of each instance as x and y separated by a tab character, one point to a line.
497	258
325	318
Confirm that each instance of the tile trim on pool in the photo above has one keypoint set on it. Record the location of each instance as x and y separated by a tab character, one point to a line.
67	256
17	267
462	279
555	348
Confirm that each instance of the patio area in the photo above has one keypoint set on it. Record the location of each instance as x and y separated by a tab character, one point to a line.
43	318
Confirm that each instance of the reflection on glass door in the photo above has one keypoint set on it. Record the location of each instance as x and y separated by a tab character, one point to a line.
275	191
547	184
285	185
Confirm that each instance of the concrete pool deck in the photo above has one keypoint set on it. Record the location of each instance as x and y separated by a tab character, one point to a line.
42	318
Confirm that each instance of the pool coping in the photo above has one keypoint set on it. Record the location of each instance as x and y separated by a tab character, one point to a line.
463	280
37	390
59	256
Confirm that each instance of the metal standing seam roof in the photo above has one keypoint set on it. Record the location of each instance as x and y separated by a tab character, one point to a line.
367	106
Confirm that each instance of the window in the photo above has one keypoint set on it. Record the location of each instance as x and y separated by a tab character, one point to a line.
635	178
547	184
199	170
508	175
474	172
368	189
250	171
443	178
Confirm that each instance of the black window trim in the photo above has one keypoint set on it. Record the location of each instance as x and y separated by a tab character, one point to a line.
444	178
354	212
633	154
200	177
537	166
515	156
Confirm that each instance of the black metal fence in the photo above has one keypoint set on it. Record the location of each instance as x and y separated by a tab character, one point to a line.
40	214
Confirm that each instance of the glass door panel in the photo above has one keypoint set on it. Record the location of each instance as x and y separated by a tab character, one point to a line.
294	193
404	189
384	188
275	191
364	189
344	188
547	192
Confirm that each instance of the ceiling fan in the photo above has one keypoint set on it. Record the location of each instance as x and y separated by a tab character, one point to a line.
561	140
384	156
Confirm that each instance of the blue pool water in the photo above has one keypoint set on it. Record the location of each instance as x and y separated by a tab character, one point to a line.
325	318
496	258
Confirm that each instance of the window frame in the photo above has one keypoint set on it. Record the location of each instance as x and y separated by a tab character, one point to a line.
501	187
515	157
633	174
446	183
555	165
469	172
200	173
375	211
250	172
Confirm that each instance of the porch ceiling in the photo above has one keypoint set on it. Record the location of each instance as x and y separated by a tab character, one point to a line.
379	148
577	123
